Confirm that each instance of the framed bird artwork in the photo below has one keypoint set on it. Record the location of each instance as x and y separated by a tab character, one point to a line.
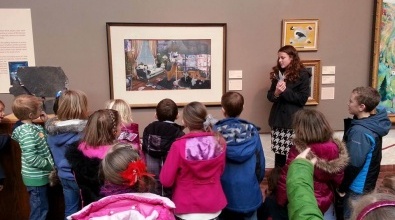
300	33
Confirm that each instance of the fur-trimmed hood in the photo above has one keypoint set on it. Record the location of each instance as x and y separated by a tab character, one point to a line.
60	135
324	162
332	158
54	126
86	171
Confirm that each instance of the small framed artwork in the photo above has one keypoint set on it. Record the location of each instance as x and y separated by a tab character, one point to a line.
300	33
314	67
383	66
152	61
13	69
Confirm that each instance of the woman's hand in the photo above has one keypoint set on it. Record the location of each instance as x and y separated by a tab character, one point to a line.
280	87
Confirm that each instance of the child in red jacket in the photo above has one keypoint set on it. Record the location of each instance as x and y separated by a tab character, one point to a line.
313	130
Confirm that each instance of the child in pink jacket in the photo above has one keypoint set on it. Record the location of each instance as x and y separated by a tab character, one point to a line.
127	185
194	166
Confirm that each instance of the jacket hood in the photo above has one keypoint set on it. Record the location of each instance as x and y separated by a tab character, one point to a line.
241	138
55	127
137	206
378	123
166	129
62	133
330	166
203	151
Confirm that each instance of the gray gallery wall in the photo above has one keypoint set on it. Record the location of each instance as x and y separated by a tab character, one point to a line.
72	34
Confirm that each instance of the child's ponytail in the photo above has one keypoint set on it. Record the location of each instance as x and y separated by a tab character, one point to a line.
122	166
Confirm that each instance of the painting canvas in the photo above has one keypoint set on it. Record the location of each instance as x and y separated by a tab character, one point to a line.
383	72
167	64
149	62
300	33
314	67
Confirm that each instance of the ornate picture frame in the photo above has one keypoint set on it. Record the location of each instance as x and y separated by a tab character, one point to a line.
383	64
300	33
314	67
152	61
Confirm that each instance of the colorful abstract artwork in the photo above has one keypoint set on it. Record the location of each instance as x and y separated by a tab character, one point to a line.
384	68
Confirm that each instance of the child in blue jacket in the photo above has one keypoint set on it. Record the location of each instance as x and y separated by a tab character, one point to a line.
245	161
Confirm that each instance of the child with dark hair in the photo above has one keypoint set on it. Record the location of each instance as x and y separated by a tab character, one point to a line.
101	132
126	189
269	208
245	161
37	162
158	137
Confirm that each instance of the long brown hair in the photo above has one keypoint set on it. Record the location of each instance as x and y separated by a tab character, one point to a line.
101	128
311	126
293	69
73	104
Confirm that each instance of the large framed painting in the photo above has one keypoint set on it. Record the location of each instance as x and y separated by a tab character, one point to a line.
149	62
314	67
383	65
300	33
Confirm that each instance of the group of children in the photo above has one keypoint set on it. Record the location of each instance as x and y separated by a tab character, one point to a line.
213	171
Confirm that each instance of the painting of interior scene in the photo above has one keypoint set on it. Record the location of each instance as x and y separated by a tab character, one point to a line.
167	64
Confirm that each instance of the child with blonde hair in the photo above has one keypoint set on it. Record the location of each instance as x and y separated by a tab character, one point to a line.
194	166
37	162
127	184
99	135
129	129
63	130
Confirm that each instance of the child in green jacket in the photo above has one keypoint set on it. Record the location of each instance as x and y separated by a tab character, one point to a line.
302	202
36	159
